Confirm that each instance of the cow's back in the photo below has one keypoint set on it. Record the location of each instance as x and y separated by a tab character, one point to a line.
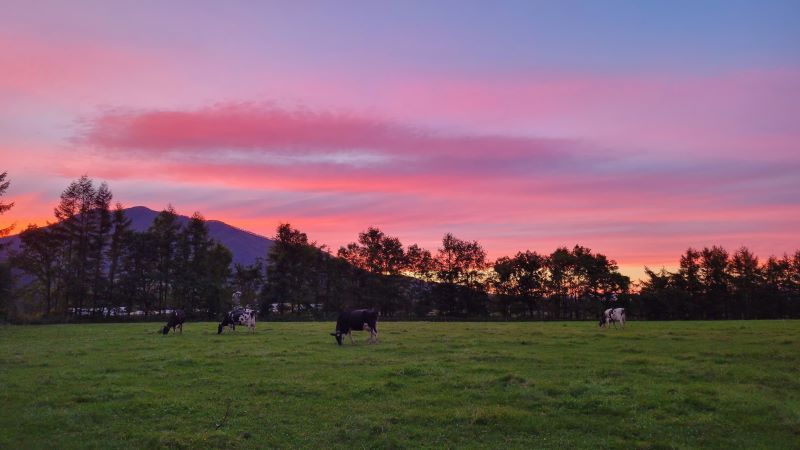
364	317
356	319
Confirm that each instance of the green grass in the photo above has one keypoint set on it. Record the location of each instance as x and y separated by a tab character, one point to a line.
458	385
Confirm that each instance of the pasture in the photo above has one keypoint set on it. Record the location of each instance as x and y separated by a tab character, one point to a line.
458	385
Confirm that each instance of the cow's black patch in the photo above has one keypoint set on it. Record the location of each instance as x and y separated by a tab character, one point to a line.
175	320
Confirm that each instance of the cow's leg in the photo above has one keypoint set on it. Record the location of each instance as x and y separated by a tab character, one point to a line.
350	334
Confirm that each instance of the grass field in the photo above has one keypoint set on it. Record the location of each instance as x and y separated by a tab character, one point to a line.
458	385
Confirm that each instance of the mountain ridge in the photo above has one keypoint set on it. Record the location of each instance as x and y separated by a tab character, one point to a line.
246	246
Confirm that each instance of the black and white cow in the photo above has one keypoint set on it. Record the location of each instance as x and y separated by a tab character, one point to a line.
613	315
357	320
175	322
239	316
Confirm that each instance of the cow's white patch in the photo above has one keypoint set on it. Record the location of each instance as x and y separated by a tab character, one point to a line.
615	316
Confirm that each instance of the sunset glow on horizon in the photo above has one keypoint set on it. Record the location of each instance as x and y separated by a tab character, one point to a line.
636	129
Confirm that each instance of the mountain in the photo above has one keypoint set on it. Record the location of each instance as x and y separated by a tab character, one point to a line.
245	245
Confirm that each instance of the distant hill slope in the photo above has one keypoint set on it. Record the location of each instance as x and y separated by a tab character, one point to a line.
244	245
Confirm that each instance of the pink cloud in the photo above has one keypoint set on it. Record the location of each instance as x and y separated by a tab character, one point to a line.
510	193
256	145
244	127
742	113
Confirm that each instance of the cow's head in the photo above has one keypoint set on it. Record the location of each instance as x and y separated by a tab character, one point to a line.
338	336
165	330
602	320
219	329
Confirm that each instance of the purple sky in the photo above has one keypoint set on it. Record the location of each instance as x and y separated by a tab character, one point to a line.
634	128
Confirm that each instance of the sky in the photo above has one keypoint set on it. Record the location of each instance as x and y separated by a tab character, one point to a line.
637	129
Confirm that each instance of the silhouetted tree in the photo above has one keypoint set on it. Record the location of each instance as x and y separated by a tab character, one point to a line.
164	232
98	242
715	278
380	259
139	280
249	281
190	266
746	278
77	227
779	288
215	279
523	278
293	272
420	263
40	255
121	237
560	266
663	296
579	281
4	184
200	270
460	272
5	270
690	271
793	309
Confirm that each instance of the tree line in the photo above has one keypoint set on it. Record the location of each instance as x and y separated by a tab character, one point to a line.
714	284
90	262
457	280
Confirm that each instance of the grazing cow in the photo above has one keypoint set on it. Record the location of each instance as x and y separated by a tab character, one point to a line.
357	320
175	321
239	316
613	315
